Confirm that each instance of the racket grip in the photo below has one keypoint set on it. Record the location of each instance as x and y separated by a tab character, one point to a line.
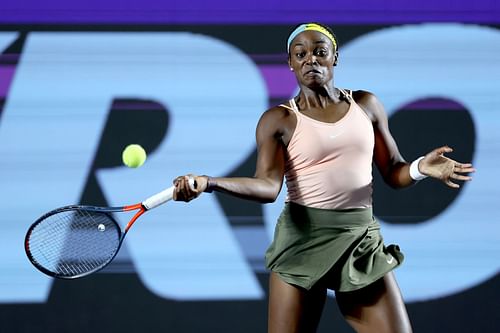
164	196
159	198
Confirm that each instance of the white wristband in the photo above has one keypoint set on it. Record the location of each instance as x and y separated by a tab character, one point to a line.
415	174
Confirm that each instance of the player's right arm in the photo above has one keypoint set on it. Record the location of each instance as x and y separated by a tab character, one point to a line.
266	183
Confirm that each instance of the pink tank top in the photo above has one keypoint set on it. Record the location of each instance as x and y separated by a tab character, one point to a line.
329	165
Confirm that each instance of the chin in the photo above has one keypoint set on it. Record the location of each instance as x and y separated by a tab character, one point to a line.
318	83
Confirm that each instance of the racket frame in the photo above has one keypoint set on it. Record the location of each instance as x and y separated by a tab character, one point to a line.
105	210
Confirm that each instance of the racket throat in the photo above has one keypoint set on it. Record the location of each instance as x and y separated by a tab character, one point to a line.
141	211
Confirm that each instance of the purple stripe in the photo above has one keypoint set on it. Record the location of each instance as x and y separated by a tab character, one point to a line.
247	12
6	75
9	58
279	79
270	57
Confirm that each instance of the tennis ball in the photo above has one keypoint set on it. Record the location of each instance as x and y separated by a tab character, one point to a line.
134	156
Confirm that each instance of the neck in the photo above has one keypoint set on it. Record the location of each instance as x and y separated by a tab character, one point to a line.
318	98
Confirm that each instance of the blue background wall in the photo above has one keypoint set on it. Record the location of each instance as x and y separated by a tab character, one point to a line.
188	81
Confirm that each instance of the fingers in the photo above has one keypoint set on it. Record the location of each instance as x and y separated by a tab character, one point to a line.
448	169
458	171
443	149
183	189
451	184
460	177
463	168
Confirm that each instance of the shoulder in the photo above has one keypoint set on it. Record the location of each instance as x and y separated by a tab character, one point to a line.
278	122
280	111
276	115
370	104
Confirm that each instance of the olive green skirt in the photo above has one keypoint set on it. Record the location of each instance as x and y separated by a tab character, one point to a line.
341	248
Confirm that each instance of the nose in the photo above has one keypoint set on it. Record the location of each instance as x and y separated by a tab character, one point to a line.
312	59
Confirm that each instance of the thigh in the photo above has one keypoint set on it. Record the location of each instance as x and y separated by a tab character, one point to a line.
293	309
378	307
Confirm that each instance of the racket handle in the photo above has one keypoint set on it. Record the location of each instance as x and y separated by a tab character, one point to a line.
164	196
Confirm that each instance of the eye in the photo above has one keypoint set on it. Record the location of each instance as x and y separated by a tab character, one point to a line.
321	52
300	55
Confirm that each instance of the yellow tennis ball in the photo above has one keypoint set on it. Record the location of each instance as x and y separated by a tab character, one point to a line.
134	156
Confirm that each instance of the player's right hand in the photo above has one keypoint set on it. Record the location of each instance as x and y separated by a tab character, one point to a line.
184	191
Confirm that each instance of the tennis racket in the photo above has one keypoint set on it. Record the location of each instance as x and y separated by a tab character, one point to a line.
74	241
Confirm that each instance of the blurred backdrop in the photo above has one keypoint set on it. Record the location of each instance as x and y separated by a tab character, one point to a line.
188	80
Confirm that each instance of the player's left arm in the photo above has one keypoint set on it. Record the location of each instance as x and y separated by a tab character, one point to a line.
392	166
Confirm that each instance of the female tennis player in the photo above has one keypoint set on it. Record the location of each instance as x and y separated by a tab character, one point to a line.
323	142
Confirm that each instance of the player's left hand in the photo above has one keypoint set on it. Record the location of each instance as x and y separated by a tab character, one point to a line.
438	166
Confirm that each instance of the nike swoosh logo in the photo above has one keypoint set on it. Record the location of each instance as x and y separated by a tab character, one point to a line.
390	261
333	136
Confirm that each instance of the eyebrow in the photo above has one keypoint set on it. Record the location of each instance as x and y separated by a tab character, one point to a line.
316	42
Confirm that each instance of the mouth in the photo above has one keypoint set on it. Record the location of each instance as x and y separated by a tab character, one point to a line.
312	72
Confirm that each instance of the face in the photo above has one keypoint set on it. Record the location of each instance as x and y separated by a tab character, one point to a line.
312	57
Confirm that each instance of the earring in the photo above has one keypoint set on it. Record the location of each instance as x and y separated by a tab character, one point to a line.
291	69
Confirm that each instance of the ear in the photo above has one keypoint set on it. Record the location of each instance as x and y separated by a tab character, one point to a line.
290	63
336	61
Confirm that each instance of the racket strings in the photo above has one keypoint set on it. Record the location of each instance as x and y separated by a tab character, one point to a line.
74	242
